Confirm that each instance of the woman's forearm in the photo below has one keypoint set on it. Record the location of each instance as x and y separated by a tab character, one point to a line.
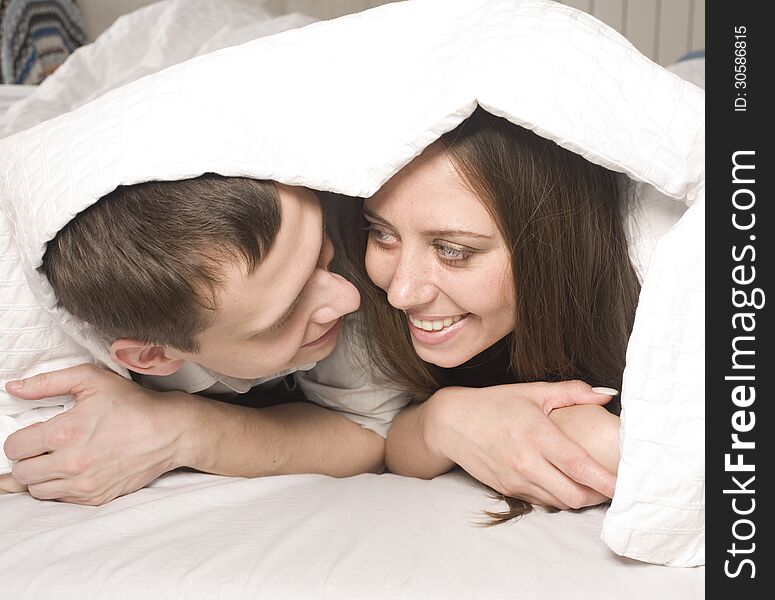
409	448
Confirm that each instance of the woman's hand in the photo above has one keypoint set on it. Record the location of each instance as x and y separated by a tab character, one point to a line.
593	428
503	436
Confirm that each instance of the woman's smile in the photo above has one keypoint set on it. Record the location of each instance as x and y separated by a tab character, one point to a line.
436	330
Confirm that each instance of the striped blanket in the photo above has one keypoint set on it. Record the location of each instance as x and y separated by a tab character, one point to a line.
36	36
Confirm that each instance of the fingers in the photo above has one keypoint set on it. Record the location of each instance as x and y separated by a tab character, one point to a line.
40	468
572	460
53	489
538	496
26	443
520	483
84	492
565	492
52	477
8	485
570	493
567	393
546	485
55	383
35	439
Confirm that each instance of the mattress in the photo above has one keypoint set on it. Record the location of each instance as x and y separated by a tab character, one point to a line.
371	537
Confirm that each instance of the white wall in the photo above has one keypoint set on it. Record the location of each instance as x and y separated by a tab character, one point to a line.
100	14
662	29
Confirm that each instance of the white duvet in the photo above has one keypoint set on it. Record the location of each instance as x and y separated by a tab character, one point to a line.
341	106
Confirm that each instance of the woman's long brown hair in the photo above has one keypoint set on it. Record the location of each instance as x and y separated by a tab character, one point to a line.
562	219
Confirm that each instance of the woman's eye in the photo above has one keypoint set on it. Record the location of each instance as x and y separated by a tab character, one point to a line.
381	236
452	254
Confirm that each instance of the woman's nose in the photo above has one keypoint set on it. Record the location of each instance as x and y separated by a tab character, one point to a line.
410	286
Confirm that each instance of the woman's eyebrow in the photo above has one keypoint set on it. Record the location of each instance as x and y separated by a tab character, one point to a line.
432	232
451	232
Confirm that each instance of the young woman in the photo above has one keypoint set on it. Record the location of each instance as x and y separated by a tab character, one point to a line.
496	258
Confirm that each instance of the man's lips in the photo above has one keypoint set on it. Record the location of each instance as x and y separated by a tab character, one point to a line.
326	336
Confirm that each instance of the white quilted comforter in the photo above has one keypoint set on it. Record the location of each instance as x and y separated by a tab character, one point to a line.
342	105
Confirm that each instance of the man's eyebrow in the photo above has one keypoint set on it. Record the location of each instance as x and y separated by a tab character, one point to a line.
282	319
373	216
432	232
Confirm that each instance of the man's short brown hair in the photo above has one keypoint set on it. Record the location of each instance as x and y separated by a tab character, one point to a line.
146	261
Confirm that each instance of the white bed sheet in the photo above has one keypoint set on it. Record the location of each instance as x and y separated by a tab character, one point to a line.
195	536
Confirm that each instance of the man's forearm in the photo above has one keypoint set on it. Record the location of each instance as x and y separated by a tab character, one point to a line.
227	439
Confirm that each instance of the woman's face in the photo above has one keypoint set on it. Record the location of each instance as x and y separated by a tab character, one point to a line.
438	254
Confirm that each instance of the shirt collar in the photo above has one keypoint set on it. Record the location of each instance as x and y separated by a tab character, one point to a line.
193	378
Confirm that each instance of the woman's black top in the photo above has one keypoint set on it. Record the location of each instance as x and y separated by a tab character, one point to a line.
490	367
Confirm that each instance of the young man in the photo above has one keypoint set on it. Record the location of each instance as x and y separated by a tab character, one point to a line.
214	285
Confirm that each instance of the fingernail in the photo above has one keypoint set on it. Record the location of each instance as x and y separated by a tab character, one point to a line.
14	385
605	390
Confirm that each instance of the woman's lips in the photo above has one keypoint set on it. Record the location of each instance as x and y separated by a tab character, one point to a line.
331	333
432	338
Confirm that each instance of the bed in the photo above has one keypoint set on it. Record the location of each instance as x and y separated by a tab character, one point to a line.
196	536
191	535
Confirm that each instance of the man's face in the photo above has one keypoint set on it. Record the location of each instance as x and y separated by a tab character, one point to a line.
289	311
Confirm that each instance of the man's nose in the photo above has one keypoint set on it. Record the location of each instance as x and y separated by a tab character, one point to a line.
333	296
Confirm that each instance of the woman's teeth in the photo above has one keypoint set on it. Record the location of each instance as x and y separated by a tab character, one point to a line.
435	325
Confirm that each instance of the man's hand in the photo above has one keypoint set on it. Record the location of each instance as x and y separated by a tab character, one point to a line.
116	439
8	485
503	436
119	437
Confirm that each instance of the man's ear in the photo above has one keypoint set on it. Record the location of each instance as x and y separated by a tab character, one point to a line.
144	358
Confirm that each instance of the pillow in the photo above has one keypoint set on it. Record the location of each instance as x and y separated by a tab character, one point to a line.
36	36
658	511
